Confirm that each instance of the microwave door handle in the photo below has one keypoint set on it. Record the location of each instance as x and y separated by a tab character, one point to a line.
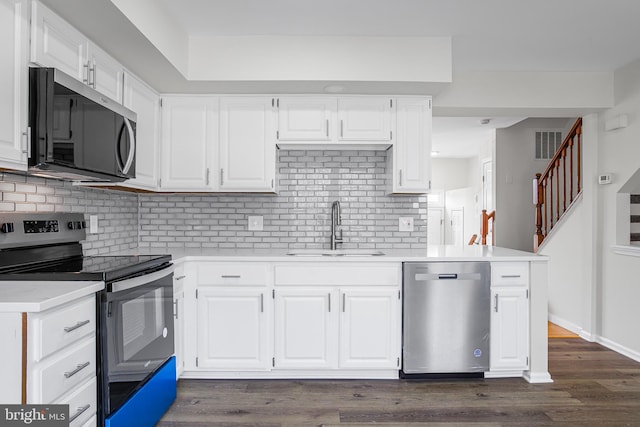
132	146
117	149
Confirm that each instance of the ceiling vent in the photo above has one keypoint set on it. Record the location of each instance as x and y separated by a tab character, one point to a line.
547	143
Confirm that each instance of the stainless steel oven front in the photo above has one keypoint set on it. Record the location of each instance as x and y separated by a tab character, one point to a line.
136	334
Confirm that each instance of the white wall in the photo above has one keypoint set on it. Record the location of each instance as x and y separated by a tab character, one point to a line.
514	169
448	174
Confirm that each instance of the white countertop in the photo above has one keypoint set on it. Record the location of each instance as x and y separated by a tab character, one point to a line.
429	253
36	296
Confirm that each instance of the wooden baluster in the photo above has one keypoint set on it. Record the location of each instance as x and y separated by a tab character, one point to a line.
579	160
545	230
564	180
571	170
483	227
557	190
550	199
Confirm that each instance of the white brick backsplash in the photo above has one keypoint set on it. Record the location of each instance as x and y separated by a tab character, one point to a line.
298	217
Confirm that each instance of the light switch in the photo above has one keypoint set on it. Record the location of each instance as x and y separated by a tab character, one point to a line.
405	223
255	223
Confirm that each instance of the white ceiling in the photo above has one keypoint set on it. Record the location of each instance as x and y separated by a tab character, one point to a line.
510	35
487	35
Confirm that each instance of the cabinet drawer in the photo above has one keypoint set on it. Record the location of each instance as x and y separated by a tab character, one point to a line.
59	374
58	328
509	274
338	274
239	273
82	402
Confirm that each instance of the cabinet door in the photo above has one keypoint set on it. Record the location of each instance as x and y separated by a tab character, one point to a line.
365	118
55	43
306	118
247	144
105	73
510	329
189	142
412	149
232	329
370	328
141	99
178	316
14	25
306	328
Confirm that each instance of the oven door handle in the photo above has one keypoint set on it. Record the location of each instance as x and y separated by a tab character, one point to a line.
134	282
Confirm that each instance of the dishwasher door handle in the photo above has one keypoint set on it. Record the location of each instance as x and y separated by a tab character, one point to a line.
452	276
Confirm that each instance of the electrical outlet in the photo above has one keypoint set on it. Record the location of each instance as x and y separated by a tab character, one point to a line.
405	223
93	224
255	223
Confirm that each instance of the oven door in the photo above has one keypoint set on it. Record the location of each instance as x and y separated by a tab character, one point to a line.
137	316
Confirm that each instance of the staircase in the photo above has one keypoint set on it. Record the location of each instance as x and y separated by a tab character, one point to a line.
485	228
555	190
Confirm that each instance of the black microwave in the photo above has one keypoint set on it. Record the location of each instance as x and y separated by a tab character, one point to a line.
76	133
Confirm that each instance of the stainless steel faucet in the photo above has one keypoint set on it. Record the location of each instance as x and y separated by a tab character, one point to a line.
336	220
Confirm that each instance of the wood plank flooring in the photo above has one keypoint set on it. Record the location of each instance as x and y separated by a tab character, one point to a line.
593	386
555	331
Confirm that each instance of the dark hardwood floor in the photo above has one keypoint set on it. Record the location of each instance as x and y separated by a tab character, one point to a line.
593	386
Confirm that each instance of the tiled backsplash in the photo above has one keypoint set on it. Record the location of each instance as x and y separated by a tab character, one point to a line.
299	216
117	211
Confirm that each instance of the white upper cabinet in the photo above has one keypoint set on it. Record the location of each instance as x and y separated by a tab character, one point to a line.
14	27
306	118
55	43
189	143
145	102
410	160
365	118
105	73
247	144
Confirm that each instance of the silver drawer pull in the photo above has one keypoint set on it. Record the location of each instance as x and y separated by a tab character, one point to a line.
180	277
230	276
511	276
81	410
76	326
75	371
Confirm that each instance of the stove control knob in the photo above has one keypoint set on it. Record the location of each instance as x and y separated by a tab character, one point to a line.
7	227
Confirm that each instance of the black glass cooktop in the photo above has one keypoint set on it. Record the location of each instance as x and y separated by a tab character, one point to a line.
106	268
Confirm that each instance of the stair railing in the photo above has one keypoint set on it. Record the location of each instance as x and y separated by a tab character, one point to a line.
559	185
484	226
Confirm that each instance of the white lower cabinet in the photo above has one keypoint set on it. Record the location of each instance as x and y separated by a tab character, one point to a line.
232	328
178	316
306	328
509	317
369	326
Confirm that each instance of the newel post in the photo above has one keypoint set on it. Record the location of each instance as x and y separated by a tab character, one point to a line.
538	200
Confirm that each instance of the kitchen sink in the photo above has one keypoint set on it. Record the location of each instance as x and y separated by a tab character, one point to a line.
337	252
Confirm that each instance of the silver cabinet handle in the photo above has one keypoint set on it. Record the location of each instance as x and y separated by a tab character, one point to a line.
511	276
76	326
496	306
344	302
329	297
175	309
81	410
75	371
27	149
341	128
400	173
207	177
231	276
180	277
261	303
326	127
221	176
92	73
85	73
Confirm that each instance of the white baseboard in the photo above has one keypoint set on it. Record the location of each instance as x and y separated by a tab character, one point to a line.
572	327
537	377
618	348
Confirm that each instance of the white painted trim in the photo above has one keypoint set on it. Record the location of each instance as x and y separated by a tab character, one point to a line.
386	374
504	374
618	348
626	250
537	377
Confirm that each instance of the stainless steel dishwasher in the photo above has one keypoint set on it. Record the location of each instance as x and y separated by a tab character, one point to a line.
446	316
